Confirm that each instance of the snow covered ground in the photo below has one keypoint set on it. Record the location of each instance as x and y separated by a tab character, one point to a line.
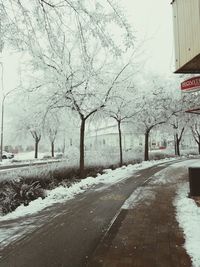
103	157
28	155
62	194
26	158
188	214
146	193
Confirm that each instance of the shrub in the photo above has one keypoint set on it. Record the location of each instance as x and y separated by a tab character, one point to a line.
30	186
16	192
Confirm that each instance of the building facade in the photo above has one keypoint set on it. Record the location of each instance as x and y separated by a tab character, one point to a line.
186	20
108	138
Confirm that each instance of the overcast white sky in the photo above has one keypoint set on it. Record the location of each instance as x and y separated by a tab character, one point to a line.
152	21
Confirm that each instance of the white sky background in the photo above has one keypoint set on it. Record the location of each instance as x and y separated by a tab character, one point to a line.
152	22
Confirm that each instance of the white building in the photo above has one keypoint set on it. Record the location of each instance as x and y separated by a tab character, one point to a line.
108	137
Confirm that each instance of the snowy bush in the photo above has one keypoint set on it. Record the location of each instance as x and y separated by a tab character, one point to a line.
27	185
186	152
160	155
16	192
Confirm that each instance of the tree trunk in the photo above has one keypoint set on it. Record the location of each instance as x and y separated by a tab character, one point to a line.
199	144
175	145
178	145
36	148
63	148
146	146
82	151
178	149
52	149
199	147
2	129
120	143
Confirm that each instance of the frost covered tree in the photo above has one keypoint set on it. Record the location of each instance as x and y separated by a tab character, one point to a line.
88	98
123	106
181	120
155	102
31	123
29	117
179	123
51	128
70	49
46	30
195	129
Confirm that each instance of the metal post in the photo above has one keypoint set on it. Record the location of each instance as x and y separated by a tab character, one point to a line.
2	124
2	111
2	83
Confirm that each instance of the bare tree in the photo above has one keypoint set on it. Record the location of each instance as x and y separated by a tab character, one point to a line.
177	137
5	95
195	129
29	117
51	125
36	134
180	119
155	111
93	98
62	40
123	107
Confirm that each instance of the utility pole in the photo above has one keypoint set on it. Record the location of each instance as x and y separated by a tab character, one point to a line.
2	124
2	82
2	95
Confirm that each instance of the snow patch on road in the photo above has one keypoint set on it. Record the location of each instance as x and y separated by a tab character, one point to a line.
167	175
139	195
188	216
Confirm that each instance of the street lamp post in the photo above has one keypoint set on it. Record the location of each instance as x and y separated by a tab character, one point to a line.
2	110
4	95
2	120
2	128
2	85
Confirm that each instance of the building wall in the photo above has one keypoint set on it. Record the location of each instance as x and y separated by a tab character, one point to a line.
112	141
186	16
108	138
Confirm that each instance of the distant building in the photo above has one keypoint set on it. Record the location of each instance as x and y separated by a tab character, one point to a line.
108	137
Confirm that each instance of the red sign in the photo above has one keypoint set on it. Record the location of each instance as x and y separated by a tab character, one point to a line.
191	85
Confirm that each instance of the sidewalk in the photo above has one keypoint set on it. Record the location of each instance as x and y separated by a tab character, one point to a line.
145	235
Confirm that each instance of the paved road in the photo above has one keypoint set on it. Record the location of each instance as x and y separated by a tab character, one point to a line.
69	238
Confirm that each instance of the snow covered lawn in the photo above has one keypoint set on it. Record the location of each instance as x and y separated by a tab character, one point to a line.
28	157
